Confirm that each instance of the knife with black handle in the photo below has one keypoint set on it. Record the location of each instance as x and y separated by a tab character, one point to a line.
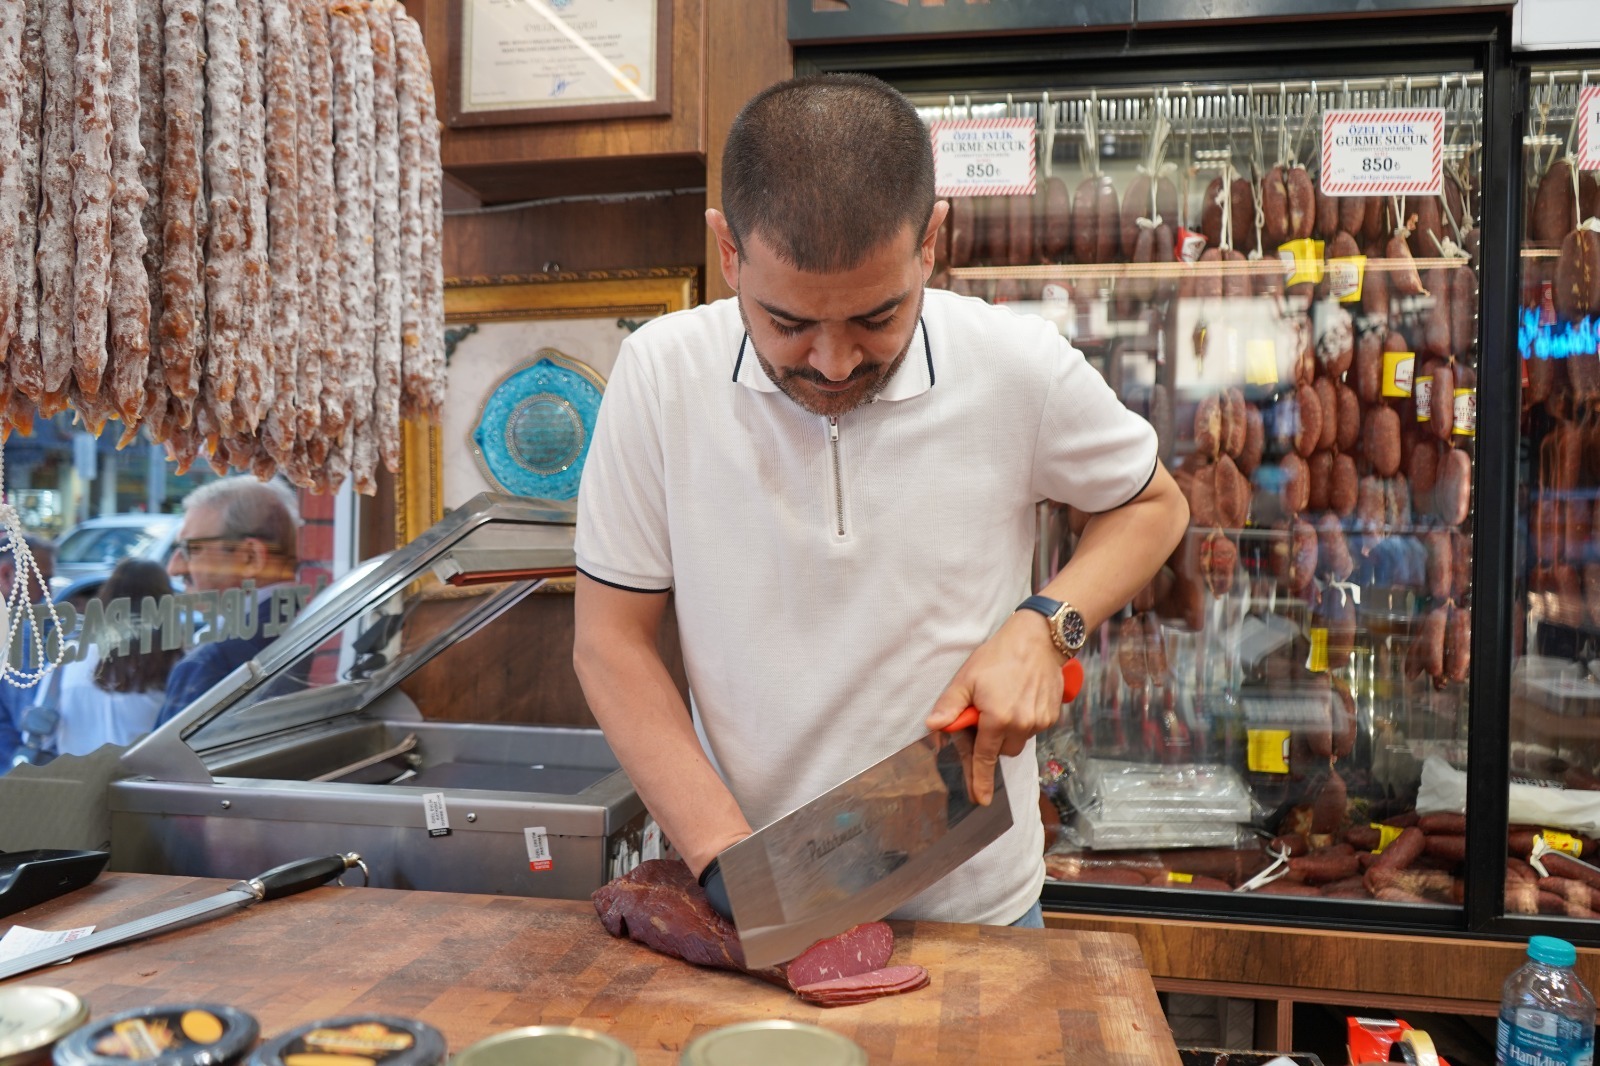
276	883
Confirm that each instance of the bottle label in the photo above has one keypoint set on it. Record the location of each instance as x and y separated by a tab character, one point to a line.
1527	1036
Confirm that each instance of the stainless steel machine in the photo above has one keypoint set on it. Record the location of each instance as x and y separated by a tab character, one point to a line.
315	747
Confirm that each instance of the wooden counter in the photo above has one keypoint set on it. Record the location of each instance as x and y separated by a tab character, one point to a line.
475	965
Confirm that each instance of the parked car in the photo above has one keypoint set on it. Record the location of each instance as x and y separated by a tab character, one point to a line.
87	553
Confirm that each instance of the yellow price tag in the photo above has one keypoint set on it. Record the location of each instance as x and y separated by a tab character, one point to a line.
1398	368
1261	361
1345	276
1268	750
1180	879
1386	835
1302	261
1563	842
1317	662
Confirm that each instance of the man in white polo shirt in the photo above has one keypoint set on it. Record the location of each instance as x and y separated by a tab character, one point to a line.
836	474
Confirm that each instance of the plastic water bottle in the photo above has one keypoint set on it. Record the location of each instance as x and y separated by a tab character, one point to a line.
1546	1015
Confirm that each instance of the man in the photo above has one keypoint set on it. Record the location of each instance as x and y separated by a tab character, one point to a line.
234	530
837	473
14	699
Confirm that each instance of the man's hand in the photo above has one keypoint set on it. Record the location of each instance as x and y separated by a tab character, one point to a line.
1014	679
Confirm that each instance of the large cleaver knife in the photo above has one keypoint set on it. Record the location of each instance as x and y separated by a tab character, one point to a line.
861	849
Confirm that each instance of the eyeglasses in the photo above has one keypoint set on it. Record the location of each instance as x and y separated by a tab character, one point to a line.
186	547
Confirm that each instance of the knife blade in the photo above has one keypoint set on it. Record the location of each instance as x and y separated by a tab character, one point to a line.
276	883
864	847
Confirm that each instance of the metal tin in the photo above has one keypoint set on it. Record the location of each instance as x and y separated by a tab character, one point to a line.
547	1045
774	1042
33	1018
172	1034
355	1040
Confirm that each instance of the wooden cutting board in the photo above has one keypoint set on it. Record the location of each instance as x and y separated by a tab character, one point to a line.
475	965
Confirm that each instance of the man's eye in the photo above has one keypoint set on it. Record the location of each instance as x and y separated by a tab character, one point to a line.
786	330
879	324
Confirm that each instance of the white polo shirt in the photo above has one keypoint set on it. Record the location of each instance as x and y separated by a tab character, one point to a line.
829	585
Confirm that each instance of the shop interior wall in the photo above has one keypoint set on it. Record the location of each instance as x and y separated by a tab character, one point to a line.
522	671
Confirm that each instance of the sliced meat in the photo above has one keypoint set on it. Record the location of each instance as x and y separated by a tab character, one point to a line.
863	988
859	951
660	905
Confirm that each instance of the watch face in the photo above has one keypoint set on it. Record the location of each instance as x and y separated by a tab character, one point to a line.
1072	628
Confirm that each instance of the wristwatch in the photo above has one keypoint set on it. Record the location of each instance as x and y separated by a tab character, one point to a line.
1067	631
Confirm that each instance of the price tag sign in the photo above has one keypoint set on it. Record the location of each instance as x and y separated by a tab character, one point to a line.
1589	128
983	157
1385	152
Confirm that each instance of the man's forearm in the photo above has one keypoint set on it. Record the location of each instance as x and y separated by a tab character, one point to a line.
1118	553
649	729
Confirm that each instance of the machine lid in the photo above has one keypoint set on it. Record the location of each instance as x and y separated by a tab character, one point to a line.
373	627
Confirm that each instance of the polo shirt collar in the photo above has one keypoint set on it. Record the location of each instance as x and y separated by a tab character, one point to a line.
915	376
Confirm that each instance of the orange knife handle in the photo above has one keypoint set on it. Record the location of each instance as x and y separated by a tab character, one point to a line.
1071	684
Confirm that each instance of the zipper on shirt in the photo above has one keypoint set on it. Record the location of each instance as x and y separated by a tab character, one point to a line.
838	476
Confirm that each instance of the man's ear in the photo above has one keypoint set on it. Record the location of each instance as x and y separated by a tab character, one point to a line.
727	251
930	237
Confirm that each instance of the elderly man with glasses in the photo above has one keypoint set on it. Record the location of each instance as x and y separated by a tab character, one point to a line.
234	530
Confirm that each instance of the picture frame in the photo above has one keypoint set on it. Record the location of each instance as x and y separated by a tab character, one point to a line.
495	327
558	61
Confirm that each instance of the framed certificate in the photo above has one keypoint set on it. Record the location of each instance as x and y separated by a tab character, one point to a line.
520	61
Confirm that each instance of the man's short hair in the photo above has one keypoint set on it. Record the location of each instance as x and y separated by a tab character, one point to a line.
827	168
251	508
42	548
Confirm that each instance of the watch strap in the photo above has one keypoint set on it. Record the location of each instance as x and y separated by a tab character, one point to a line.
1043	604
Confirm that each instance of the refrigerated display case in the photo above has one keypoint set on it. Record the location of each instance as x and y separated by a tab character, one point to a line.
1285	724
1553	797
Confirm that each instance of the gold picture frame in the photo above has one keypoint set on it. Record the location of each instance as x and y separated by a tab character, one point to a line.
625	297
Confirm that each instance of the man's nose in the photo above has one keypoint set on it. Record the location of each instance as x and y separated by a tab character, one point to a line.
177	565
834	355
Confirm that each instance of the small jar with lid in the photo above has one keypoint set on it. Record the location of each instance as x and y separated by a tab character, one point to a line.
179	1034
355	1040
33	1018
547	1045
773	1042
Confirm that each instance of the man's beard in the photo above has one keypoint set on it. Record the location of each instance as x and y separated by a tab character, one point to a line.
874	377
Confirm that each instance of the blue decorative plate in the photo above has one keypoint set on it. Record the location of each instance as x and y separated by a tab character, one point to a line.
533	432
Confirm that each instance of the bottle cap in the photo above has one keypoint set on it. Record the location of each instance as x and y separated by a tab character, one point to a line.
1551	951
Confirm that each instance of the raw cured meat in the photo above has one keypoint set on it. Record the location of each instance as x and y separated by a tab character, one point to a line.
56	254
224	179
183	215
25	373
129	300
323	419
12	27
660	905
386	353
411	85
283	86
350	41
257	357
91	192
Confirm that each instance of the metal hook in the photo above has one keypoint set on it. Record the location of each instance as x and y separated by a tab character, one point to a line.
366	875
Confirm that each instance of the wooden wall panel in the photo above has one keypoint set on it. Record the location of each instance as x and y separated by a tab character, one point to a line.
747	49
531	160
1304	963
584	236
